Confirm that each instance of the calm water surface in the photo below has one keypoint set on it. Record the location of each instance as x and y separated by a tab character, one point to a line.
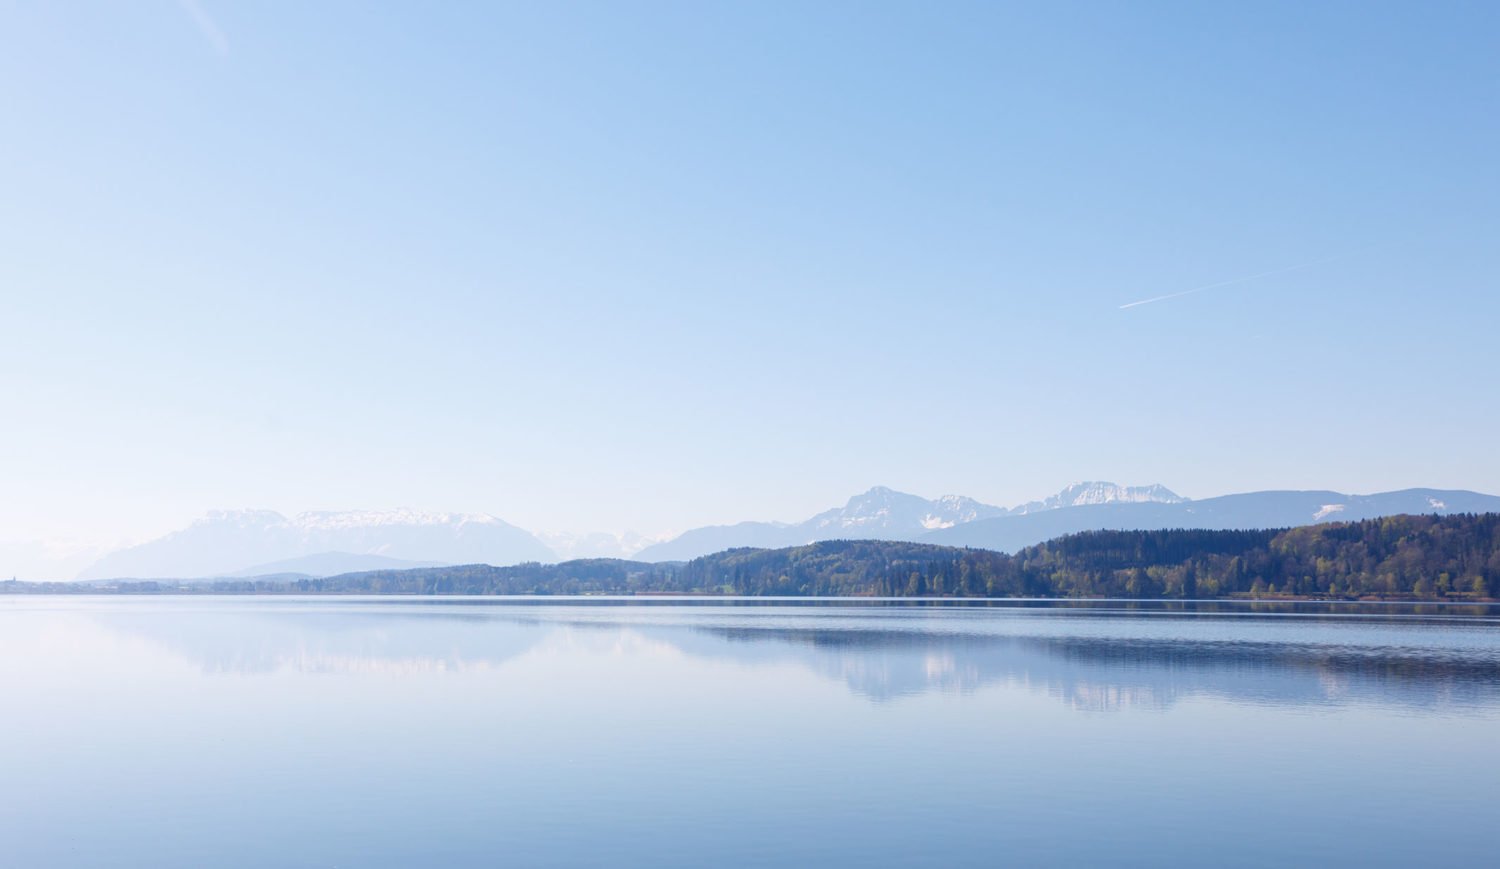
169	732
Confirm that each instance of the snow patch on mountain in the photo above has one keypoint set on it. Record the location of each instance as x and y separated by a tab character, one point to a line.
884	512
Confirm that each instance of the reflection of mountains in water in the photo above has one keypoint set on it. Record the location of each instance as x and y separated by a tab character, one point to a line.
1086	672
270	641
1113	672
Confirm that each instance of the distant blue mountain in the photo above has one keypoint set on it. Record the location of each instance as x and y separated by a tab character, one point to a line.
226	542
1250	510
883	514
717	538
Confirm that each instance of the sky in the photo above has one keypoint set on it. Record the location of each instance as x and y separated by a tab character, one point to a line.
650	266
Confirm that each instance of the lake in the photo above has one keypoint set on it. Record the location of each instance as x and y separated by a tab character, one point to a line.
206	731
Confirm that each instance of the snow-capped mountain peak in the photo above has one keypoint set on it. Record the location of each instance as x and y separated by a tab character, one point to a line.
882	511
1094	492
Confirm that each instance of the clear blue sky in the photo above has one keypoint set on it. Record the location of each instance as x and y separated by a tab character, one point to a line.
649	266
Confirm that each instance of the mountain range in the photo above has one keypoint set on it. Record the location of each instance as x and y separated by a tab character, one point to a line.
1251	510
257	542
885	514
226	543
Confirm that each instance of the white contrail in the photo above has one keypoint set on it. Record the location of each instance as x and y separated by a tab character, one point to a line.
206	26
1280	271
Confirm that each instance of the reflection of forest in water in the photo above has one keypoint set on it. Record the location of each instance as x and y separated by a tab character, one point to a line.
1417	666
1109	672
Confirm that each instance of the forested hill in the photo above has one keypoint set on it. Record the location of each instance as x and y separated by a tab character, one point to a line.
1429	557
